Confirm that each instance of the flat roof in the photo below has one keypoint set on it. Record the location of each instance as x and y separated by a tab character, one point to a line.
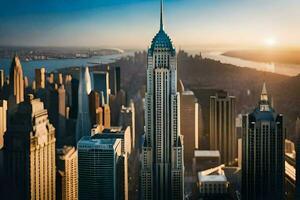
206	153
101	143
212	178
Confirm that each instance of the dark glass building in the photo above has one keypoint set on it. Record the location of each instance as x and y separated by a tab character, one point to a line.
263	153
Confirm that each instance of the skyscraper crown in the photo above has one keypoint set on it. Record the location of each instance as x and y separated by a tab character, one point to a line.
264	100
264	94
161	39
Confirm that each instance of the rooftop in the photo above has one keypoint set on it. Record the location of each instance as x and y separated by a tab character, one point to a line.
212	175
206	153
213	178
99	143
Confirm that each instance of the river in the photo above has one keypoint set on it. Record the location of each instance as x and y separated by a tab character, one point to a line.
53	64
279	68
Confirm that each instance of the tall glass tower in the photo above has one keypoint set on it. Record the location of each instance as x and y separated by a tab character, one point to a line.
162	173
83	124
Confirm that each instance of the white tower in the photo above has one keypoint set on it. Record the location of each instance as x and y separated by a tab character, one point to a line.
162	173
83	126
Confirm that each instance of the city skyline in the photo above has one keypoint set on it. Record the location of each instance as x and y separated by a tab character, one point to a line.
105	23
167	122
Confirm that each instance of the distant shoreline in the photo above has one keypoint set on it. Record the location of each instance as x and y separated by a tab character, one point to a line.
267	56
42	54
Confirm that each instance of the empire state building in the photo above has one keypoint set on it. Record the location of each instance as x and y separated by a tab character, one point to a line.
162	173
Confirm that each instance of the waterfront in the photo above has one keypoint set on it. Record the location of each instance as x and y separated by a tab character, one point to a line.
279	68
53	64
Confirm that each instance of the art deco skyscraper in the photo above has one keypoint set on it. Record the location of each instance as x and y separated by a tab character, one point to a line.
16	81
29	146
162	173
83	125
263	153
222	126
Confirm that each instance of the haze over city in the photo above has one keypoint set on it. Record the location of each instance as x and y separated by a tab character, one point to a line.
192	24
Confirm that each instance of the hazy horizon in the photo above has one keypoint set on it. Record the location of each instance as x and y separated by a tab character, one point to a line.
192	24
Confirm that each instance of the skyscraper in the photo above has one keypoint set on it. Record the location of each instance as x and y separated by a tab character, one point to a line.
100	168
99	116
263	152
94	104
16	81
56	100
67	173
189	127
222	126
127	118
114	79
3	120
106	117
40	78
29	146
68	86
83	125
2	82
2	78
101	83
162	173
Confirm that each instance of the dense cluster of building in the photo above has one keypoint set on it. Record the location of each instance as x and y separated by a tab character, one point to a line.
53	129
73	136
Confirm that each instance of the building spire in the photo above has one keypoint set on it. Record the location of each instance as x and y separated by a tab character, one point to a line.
161	15
264	94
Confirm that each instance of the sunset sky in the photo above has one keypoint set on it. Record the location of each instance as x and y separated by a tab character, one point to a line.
132	23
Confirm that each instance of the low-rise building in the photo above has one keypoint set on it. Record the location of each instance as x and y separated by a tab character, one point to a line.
213	182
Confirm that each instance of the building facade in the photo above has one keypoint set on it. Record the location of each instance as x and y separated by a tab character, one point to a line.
100	168
56	106
222	126
40	78
263	152
83	124
67	173
3	120
106	116
127	118
101	84
94	104
162	167
30	152
189	127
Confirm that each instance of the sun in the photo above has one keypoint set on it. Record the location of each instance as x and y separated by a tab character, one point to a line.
270	41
